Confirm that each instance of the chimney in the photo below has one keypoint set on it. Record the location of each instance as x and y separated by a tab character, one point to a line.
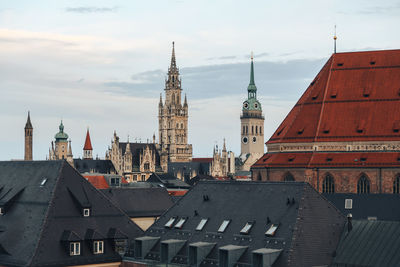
349	223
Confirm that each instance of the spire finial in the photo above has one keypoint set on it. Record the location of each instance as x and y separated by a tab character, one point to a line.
28	124
252	55
334	40
173	60
252	72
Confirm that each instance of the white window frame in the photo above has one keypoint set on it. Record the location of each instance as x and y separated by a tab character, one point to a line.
180	223
86	212
170	222
98	247
75	248
201	224
246	229
348	203
272	230
1	211
223	226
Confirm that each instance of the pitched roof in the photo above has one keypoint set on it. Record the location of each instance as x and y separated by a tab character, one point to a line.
88	143
202	160
329	159
167	180
302	216
369	243
51	206
383	207
348	100
98	181
140	202
94	166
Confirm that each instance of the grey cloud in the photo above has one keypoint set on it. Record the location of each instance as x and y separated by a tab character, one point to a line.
91	9
375	10
25	40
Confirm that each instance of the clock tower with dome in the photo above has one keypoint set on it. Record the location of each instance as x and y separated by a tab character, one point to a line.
252	126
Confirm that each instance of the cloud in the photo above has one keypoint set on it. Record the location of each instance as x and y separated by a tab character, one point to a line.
91	9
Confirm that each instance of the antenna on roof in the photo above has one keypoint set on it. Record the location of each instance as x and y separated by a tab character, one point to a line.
334	40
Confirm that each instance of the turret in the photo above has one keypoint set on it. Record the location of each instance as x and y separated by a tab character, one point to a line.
28	138
87	148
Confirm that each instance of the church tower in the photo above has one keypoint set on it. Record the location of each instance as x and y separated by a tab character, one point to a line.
87	148
252	125
28	138
61	143
173	120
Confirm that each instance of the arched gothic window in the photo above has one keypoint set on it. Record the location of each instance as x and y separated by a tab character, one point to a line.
256	129
396	185
363	185
328	186
288	177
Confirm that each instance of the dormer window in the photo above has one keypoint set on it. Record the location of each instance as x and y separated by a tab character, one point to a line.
86	212
1	211
180	223
98	247
223	226
246	229
170	222
74	248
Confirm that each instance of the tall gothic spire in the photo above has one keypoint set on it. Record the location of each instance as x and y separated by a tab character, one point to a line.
173	60
28	124
252	86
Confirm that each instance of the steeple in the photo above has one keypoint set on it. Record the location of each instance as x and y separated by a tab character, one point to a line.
224	147
28	124
28	138
160	103
185	102
173	60
87	148
252	86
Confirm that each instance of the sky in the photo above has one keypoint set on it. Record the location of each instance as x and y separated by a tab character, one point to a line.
102	64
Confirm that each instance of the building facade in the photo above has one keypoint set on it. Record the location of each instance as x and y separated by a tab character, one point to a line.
223	162
173	120
28	139
343	135
134	161
252	126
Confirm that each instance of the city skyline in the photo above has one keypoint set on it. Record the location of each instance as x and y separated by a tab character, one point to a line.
103	66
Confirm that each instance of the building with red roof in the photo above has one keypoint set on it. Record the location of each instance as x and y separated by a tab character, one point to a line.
87	148
343	133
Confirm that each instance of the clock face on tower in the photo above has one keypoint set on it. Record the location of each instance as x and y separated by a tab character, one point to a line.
245	140
245	105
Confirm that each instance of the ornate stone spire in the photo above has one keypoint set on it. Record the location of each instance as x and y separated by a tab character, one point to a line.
160	103
28	139
28	124
185	102
173	60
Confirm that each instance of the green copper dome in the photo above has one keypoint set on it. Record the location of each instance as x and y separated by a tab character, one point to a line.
61	136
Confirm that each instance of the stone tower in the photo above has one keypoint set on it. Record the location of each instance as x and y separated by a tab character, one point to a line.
28	138
173	120
87	148
252	125
61	143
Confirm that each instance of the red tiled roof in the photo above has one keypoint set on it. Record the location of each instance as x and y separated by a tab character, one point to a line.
88	143
97	181
329	159
355	97
203	160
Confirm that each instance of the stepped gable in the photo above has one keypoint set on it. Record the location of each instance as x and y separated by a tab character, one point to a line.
351	99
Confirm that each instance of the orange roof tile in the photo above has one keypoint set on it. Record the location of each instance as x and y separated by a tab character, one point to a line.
97	181
88	143
354	97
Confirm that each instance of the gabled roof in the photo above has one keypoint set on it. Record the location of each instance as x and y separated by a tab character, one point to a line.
88	143
167	180
200	177
301	214
382	207
98	181
369	243
49	213
140	202
329	159
349	100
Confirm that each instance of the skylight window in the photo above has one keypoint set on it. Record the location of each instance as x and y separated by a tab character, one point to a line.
246	229
170	222
348	204
201	224
1	211
86	212
43	182
271	230
180	223
223	226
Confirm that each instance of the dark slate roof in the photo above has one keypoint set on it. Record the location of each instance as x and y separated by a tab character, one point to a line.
200	177
136	149
382	206
94	166
167	180
188	167
44	202
140	202
369	243
309	226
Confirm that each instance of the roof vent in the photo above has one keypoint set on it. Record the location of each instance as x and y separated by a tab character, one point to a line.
329	159
280	131
340	64
372	63
396	126
300	131
363	159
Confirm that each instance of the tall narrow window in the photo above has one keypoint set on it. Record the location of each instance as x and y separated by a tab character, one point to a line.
363	185
244	129
256	129
252	129
74	248
396	185
328	186
288	177
98	247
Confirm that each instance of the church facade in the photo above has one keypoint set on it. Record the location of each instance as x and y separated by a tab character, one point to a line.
343	135
173	120
61	147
